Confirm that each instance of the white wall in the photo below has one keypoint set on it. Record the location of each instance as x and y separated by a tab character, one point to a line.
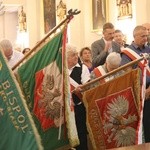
125	25
13	1
8	26
89	35
2	24
9	20
33	21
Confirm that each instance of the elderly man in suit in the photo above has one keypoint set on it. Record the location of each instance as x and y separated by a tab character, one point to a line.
101	48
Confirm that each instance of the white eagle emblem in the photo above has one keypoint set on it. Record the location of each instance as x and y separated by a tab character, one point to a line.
117	124
51	96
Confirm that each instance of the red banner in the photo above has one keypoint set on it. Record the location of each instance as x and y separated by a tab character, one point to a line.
113	112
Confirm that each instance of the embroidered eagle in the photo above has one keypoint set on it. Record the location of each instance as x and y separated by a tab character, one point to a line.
50	103
118	123
52	108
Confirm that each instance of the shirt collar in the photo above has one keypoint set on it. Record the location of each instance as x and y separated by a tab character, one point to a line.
104	40
77	65
70	70
135	45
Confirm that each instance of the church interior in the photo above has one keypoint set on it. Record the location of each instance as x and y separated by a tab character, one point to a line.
29	24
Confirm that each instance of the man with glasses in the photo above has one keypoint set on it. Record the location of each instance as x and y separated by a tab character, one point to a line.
133	52
137	47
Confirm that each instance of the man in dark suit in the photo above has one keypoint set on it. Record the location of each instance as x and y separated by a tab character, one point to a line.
101	48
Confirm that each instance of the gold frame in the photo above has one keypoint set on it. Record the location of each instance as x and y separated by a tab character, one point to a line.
99	14
124	9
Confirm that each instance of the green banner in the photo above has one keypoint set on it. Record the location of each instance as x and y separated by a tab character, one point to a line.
17	129
41	79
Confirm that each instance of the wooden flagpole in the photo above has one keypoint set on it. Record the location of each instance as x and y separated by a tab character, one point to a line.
70	15
113	71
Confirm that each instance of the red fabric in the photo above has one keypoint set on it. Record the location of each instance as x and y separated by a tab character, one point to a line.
140	64
113	109
118	123
38	110
98	74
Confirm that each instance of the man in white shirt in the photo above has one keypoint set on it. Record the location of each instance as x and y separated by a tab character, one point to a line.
12	56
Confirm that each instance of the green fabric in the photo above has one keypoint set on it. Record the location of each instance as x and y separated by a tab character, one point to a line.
17	129
48	54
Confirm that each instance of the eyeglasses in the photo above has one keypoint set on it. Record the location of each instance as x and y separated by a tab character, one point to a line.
142	36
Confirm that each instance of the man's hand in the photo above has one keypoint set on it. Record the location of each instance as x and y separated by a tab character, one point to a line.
108	45
78	89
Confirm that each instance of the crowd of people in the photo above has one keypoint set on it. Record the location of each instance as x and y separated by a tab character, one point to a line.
106	54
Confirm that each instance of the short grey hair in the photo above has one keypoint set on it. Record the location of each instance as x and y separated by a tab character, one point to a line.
113	59
6	45
137	29
70	49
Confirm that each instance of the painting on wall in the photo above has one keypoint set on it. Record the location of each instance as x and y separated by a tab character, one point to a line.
49	15
124	9
99	14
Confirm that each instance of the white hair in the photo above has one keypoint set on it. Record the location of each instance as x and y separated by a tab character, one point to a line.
70	49
6	45
113	59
